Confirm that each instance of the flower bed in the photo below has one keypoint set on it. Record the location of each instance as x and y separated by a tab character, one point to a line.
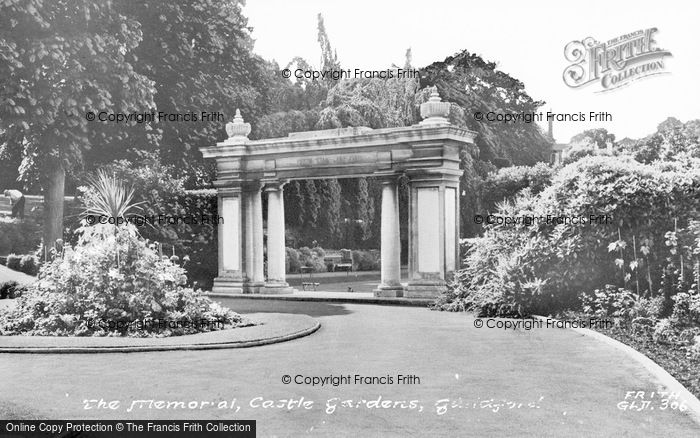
679	361
113	282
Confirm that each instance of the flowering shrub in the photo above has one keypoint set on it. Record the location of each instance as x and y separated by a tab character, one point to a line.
664	332
610	301
686	309
649	307
112	275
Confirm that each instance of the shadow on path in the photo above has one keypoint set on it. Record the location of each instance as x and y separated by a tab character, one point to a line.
314	309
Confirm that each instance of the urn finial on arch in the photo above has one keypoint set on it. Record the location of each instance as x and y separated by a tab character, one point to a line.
237	129
434	111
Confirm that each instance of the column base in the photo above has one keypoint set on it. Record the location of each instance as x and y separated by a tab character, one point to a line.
253	287
427	289
396	291
277	288
227	285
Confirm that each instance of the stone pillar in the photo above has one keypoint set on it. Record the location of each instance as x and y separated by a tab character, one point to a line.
230	231
254	258
276	253
390	242
433	233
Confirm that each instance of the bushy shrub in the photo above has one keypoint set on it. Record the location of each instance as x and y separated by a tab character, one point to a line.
29	264
318	252
310	258
292	263
105	285
541	267
508	181
13	262
366	260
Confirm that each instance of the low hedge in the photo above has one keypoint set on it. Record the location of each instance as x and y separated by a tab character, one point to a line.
28	263
19	236
315	258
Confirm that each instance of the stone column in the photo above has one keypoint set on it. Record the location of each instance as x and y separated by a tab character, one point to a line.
433	233
254	257
230	254
276	253
390	242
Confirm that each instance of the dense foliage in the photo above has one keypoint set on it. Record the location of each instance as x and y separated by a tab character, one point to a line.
544	267
507	182
672	141
60	60
199	55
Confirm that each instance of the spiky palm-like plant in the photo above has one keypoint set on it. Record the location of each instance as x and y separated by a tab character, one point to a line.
110	197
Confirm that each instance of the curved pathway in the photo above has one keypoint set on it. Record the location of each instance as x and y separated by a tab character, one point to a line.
541	382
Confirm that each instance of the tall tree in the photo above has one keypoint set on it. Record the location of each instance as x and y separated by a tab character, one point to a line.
312	204
365	208
673	140
199	53
474	84
60	61
329	58
331	199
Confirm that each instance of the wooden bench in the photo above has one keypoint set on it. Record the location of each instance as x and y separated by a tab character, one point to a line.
309	285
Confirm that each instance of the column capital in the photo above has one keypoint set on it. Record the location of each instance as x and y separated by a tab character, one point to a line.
275	185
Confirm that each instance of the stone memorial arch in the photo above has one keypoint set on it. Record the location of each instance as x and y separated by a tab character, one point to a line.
427	153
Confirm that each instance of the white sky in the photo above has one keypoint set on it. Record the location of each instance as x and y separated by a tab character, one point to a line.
525	41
